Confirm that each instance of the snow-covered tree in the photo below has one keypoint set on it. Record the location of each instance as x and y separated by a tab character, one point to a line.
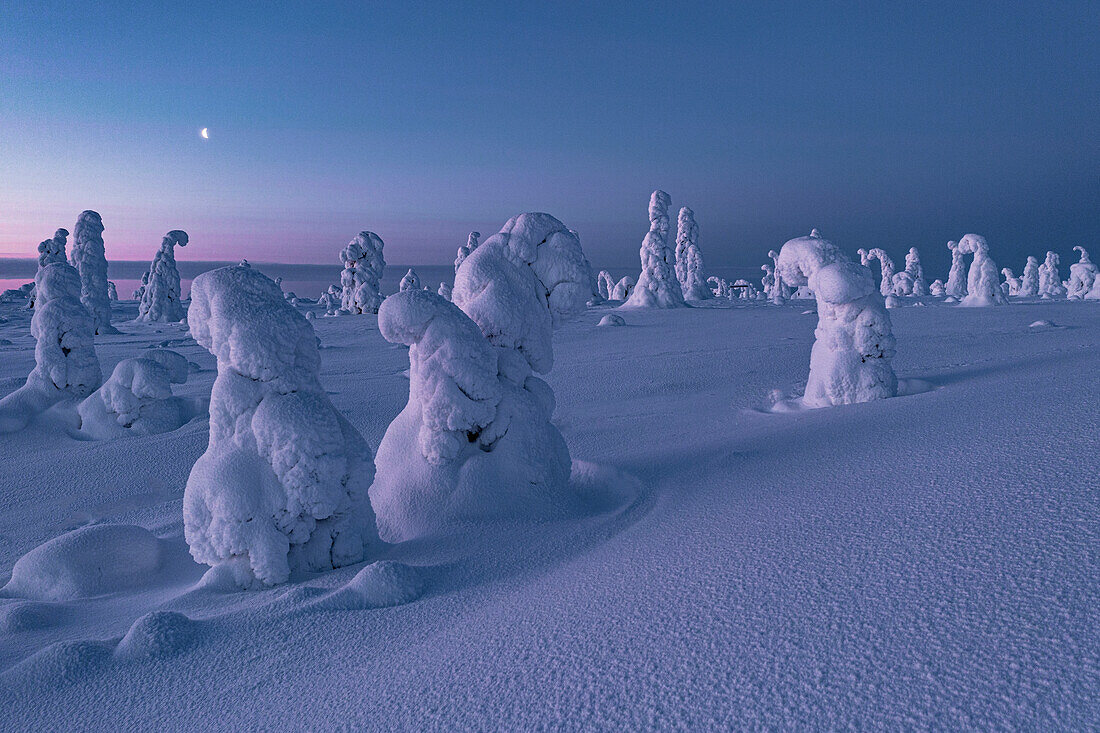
475	438
140	292
854	340
956	278
465	250
983	283
112	291
161	300
605	284
330	300
444	291
1050	281
689	261
910	281
886	265
1029	281
137	398
283	482
53	250
657	286
363	268
411	281
719	287
937	288
1011	285
623	288
65	362
1082	274
780	291
90	260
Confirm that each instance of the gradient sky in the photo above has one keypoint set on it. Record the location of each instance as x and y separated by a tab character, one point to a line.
882	124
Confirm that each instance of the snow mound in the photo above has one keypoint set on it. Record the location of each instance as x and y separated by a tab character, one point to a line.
90	561
1043	324
157	634
379	585
612	319
63	662
27	616
138	397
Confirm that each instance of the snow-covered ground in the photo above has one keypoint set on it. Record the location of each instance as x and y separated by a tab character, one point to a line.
930	560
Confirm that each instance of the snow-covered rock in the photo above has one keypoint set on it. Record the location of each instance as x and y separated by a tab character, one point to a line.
161	299
90	260
363	268
66	365
854	341
1050	281
283	482
983	282
689	261
1082	275
657	286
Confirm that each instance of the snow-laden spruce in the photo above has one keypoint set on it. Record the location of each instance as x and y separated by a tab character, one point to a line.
854	340
956	277
465	250
1082	275
363	268
657	286
112	291
65	362
53	250
475	439
411	281
331	300
1050	281
623	288
1011	285
90	260
910	281
937	288
689	260
1029	281
444	291
605	284
137	398
983	283
140	291
780	291
283	482
161	299
886	268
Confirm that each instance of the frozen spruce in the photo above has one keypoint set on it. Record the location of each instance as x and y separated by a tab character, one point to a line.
605	284
53	250
937	288
444	291
90	260
465	250
475	439
140	292
910	281
1011	285
1050	281
623	288
65	363
330	300
854	341
1082	275
137	398
886	268
112	291
689	261
161	299
983	283
1029	281
780	292
657	286
411	281
956	277
283	483
363	268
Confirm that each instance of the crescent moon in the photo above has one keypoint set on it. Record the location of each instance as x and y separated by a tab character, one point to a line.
205	133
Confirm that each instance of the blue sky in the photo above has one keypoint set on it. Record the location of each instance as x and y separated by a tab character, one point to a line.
881	124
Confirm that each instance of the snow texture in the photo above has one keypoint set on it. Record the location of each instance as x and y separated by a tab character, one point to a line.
956	278
66	365
1029	281
283	482
1082	275
854	341
1050	282
983	283
657	286
411	281
161	299
689	261
90	260
363	268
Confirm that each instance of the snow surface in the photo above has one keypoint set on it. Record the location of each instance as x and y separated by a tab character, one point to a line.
927	561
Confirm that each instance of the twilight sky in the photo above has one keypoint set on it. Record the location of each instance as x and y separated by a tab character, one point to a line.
879	124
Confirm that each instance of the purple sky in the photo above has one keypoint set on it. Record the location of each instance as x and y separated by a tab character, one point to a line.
882	126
